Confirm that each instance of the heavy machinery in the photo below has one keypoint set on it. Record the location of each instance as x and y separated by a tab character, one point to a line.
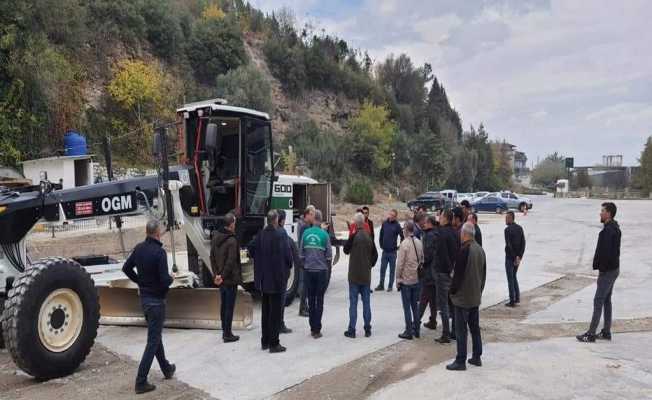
52	307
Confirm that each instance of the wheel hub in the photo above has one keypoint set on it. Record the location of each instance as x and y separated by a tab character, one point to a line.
60	320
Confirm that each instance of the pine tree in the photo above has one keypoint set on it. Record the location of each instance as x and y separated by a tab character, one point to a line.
646	167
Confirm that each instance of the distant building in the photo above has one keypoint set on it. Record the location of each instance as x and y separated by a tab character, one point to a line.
612	160
517	159
70	171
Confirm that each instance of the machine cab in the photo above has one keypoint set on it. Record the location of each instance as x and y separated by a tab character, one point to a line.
229	154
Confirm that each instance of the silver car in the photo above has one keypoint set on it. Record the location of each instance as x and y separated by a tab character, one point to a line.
516	202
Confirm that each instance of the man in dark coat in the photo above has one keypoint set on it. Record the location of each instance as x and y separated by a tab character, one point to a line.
296	262
446	251
227	272
428	295
390	231
514	249
153	280
607	261
469	279
362	258
272	264
369	222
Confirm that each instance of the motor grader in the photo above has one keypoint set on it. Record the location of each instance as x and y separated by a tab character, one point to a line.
53	306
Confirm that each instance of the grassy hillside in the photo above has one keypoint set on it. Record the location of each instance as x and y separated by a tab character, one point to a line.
119	67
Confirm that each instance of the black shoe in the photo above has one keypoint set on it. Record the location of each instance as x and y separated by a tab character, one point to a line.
432	324
285	330
230	339
389	289
510	304
367	333
586	337
475	361
443	340
417	334
170	372
264	347
145	388
405	336
316	335
518	301
380	287
456	366
277	349
350	334
452	336
603	335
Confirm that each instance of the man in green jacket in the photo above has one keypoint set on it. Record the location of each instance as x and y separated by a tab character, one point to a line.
469	277
362	257
225	263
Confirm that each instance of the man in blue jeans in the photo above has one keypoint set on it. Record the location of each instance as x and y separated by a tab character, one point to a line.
317	254
362	257
153	280
514	249
389	233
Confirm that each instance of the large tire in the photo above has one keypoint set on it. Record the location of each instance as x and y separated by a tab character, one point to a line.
292	287
51	318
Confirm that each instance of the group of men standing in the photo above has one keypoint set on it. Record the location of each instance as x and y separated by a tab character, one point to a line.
438	263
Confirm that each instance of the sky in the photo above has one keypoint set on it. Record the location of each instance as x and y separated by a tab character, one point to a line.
546	75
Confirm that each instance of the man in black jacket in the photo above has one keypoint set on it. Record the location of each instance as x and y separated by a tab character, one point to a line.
446	251
428	296
607	261
153	280
227	272
272	263
390	232
514	249
296	262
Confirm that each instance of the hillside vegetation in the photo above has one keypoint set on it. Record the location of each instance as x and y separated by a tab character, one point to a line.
119	67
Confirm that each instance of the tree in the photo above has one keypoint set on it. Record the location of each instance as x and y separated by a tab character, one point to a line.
646	167
246	87
137	87
372	135
430	160
547	172
215	47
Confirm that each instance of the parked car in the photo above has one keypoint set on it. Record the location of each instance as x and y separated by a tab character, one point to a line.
479	195
432	201
490	203
452	196
515	201
465	196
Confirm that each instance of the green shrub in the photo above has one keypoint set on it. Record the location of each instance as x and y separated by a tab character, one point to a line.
245	87
359	192
214	48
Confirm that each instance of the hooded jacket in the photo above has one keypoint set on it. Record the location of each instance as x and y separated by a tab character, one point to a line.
607	252
225	258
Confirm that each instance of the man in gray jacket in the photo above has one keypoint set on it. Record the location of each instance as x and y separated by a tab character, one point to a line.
469	277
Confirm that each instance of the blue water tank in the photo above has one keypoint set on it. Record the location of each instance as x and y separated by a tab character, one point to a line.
74	144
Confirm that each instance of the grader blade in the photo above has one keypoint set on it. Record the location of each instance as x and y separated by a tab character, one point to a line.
195	308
